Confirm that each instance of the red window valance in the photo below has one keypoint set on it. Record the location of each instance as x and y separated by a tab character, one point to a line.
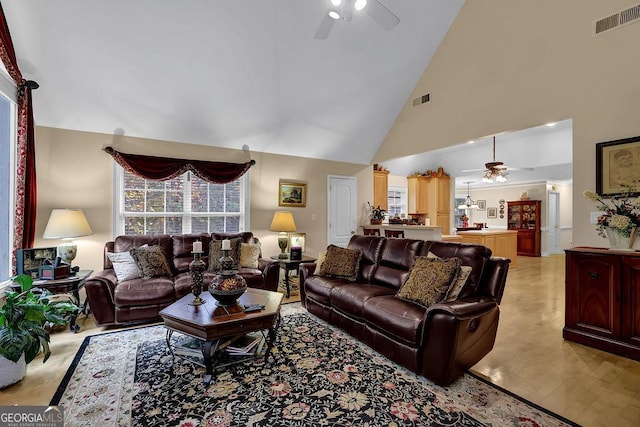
163	168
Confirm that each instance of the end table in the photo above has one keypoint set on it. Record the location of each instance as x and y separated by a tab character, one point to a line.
288	265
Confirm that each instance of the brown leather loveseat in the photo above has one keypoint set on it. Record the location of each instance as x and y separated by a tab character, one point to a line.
439	342
140	300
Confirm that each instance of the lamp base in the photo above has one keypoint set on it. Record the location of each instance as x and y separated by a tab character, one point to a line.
283	242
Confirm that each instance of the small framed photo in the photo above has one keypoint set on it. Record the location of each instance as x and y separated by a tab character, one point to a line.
482	205
492	213
292	194
617	166
298	240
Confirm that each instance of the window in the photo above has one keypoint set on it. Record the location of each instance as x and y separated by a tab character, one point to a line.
185	204
7	174
396	200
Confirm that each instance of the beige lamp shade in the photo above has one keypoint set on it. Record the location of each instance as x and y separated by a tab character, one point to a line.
283	222
66	224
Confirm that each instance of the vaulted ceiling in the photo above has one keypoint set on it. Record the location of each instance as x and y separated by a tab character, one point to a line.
226	73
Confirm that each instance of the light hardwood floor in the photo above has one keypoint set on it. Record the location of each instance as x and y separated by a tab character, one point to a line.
530	358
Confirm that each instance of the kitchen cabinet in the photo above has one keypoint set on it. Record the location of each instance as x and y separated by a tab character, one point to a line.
430	197
381	189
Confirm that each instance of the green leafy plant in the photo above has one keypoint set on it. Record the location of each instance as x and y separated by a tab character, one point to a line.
23	320
376	213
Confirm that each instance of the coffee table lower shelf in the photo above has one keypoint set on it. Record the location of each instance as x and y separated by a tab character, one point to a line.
214	355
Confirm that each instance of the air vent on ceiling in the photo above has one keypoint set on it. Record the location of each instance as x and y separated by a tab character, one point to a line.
616	20
421	100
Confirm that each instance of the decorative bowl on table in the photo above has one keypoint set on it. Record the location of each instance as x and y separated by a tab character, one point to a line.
227	287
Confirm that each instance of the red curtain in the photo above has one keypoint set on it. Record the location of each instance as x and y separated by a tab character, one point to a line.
25	215
163	168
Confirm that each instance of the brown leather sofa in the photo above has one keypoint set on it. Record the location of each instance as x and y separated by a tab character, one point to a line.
140	300
439	342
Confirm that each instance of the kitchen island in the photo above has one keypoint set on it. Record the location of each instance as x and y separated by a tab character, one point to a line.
503	243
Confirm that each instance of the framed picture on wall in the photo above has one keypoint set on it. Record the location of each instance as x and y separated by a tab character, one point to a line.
617	165
492	213
292	194
482	205
297	239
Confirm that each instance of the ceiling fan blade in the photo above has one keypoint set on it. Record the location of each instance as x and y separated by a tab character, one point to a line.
472	170
518	169
383	16
325	27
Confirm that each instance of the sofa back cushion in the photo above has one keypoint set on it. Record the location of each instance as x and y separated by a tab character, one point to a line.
125	243
474	256
395	262
371	248
183	247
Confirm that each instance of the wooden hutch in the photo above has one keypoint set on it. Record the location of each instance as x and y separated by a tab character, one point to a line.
524	217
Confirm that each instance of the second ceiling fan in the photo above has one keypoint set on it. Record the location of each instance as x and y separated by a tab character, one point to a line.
495	171
342	10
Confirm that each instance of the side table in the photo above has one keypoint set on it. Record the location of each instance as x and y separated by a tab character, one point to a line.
288	265
69	286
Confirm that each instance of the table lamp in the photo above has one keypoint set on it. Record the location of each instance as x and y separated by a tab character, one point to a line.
66	224
283	222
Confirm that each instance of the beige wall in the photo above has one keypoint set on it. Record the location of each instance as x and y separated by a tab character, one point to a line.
74	172
508	65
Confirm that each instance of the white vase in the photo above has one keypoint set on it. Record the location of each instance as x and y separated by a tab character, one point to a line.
11	372
619	241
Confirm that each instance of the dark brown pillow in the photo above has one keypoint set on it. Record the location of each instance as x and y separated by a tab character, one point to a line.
215	253
341	263
150	261
429	280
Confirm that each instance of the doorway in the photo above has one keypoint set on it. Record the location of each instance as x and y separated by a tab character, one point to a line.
342	209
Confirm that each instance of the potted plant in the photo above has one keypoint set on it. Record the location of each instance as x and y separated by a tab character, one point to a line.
23	319
377	214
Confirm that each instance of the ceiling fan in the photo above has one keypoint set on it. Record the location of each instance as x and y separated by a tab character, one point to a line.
343	10
495	171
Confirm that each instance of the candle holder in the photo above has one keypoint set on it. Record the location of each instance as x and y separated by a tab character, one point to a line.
226	261
197	268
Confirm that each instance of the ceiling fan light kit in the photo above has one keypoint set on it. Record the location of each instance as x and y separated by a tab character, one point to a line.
342	10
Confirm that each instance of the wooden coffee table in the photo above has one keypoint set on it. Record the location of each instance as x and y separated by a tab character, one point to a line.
212	325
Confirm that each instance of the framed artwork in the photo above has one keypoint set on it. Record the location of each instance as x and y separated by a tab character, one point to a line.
28	261
617	165
482	205
492	213
292	194
297	239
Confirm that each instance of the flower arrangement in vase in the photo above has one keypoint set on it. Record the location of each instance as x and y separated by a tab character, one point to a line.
376	215
620	216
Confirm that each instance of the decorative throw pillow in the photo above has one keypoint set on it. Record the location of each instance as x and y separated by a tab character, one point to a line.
321	257
341	263
150	261
458	283
124	266
215	253
429	280
249	255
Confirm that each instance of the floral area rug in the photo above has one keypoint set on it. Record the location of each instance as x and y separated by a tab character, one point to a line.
319	377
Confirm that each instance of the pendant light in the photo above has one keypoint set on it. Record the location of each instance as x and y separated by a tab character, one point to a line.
468	203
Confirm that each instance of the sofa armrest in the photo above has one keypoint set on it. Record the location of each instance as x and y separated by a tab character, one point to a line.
100	294
307	269
270	273
458	335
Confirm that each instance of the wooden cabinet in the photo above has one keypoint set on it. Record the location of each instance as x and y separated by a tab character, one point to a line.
603	300
524	216
502	243
381	189
431	196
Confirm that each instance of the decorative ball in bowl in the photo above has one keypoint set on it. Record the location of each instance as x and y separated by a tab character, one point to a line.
226	289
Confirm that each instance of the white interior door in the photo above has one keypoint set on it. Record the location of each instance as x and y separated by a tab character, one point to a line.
554	223
342	209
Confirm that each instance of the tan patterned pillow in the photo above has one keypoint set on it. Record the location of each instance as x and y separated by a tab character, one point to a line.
321	257
215	253
341	263
429	280
249	255
150	261
458	284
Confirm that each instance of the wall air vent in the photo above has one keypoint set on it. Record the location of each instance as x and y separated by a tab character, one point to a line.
619	19
421	100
